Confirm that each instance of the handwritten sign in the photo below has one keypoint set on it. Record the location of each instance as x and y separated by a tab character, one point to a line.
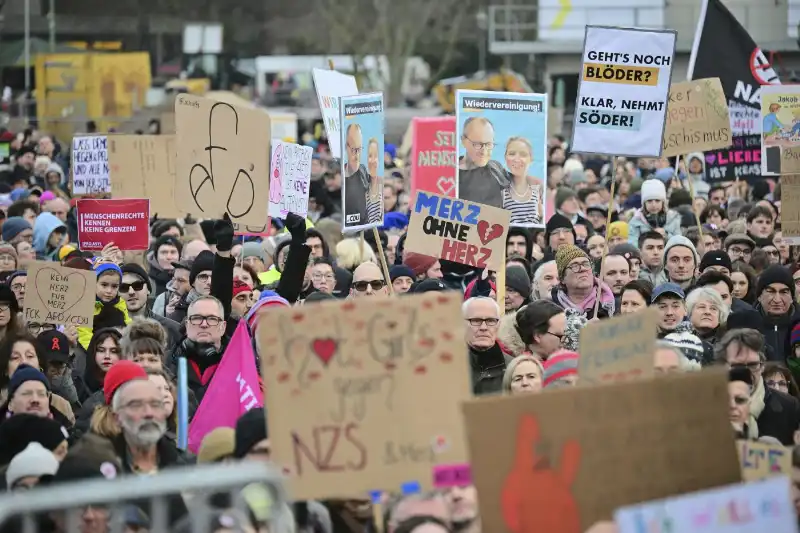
357	374
765	506
780	134
697	118
561	461
143	166
223	160
618	349
331	86
760	460
90	172
790	208
290	179
457	230
125	222
433	155
59	295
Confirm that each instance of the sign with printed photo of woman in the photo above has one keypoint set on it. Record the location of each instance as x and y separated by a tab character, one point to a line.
362	161
502	159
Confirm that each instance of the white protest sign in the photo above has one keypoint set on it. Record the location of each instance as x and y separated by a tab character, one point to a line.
290	179
623	91
758	506
330	86
90	165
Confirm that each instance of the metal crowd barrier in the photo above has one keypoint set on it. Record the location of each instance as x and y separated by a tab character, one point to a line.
196	484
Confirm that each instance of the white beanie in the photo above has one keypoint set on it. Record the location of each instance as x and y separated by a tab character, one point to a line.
653	189
34	461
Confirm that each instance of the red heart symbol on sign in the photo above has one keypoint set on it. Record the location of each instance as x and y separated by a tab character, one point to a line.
72	280
325	349
446	185
488	234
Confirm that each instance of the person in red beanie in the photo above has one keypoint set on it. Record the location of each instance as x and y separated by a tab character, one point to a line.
423	266
561	369
242	299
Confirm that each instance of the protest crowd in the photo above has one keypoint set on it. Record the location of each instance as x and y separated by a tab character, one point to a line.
136	343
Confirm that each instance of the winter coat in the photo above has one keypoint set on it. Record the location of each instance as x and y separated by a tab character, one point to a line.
487	369
638	226
46	223
85	332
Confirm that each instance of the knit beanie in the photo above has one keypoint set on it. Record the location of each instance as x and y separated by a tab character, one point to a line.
14	226
745	319
137	270
518	279
565	255
680	240
265	300
399	271
560	364
253	249
25	373
239	287
562	195
204	261
102	268
419	263
653	190
689	344
18	431
9	249
627	250
775	274
164	240
251	428
716	258
34	461
557	221
618	229
119	374
218	444
794	338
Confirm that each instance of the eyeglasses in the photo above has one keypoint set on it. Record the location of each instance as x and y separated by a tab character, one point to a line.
356	150
772	253
477	322
740	400
752	366
376	284
16	287
326	277
578	267
480	146
136	285
35	327
737	251
138	405
212	321
4	308
559	336
780	384
203	277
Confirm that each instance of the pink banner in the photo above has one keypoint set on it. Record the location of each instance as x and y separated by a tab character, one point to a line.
233	391
433	156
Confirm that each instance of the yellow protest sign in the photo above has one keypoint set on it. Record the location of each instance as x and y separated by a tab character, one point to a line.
59	295
697	118
371	391
223	154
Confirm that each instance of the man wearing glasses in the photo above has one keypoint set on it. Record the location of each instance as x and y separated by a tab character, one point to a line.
487	360
203	346
775	414
480	179
368	281
578	288
356	182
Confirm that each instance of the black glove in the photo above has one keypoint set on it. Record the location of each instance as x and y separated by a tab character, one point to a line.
296	226
153	219
223	231
189	220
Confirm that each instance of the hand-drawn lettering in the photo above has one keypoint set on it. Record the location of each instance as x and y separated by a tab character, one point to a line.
358	389
351	456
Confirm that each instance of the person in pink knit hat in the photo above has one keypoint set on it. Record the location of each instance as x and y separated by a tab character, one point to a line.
561	369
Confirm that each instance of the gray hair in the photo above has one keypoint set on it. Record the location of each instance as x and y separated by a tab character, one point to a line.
470	301
745	338
710	295
537	276
685	364
116	399
397	499
512	366
208	298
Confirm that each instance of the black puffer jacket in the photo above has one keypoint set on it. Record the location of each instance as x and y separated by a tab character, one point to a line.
488	367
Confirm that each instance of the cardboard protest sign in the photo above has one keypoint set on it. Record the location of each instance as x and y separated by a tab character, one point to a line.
759	460
331	86
790	208
433	155
457	230
361	118
618	349
563	460
125	222
222	160
780	131
290	179
623	91
765	506
143	166
697	118
503	152
59	295
374	386
90	172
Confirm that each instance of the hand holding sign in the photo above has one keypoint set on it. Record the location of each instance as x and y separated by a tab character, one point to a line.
60	295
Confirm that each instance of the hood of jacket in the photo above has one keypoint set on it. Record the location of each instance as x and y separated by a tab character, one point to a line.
155	271
55	167
46	223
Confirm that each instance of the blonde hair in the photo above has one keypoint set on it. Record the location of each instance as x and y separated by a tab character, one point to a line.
373	140
104	423
523	140
512	366
350	253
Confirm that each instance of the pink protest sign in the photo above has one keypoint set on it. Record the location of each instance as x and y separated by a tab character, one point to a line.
233	391
433	156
